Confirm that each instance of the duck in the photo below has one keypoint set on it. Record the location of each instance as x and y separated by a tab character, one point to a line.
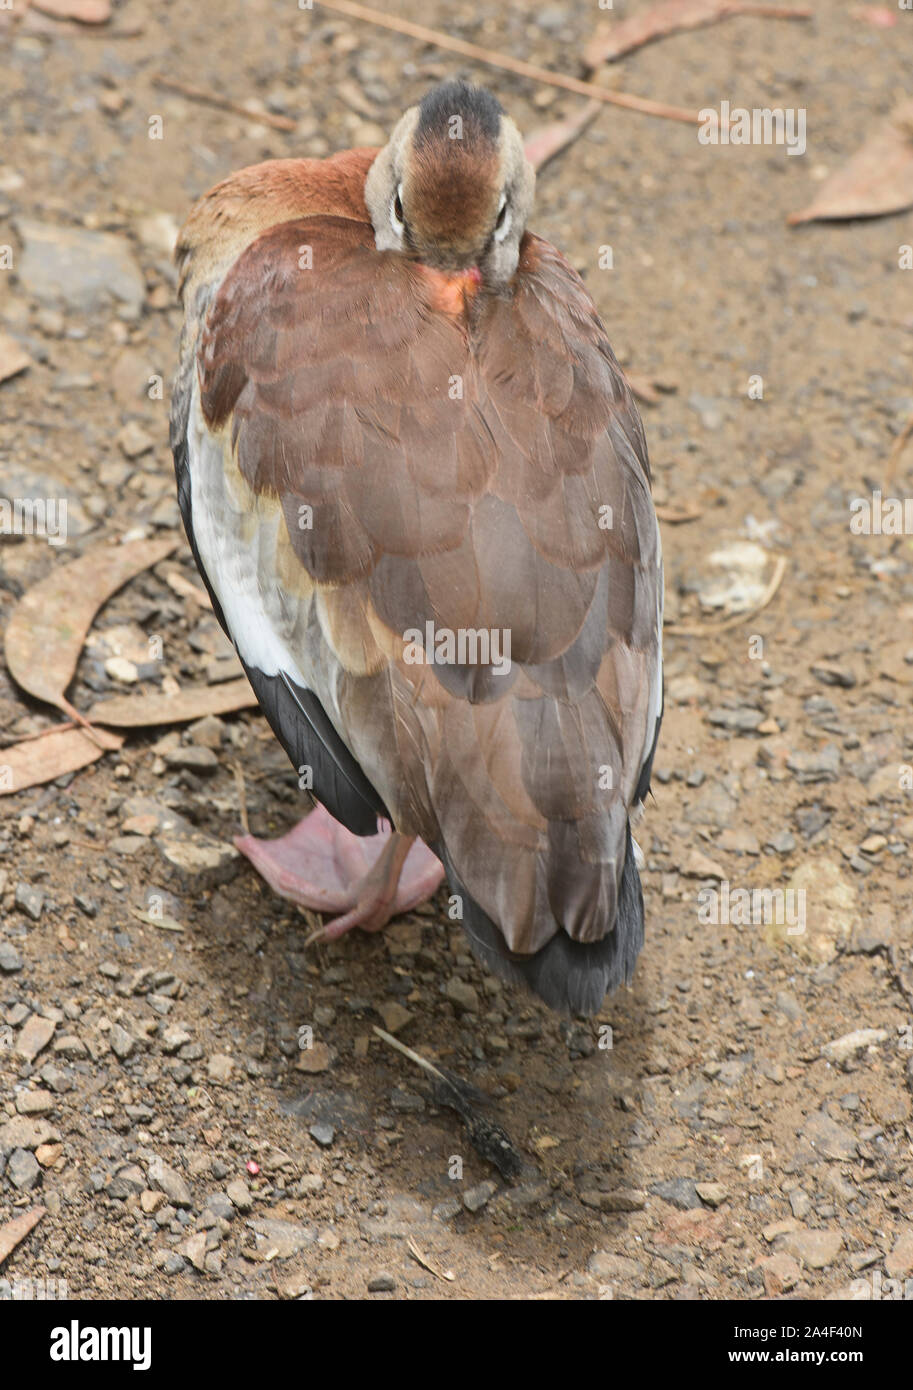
416	485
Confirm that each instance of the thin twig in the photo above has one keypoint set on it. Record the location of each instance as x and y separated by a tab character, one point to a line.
900	443
487	1138
408	1052
625	36
223	103
94	735
544	144
423	1260
508	64
42	733
710	629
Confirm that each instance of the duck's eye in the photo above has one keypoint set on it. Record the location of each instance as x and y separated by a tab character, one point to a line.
396	211
502	223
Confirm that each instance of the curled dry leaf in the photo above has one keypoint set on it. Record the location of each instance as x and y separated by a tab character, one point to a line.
878	179
553	139
15	1231
83	11
45	634
13	358
649	389
35	761
643	388
677	515
137	711
611	41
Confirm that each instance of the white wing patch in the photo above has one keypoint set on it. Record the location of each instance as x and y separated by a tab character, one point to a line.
233	566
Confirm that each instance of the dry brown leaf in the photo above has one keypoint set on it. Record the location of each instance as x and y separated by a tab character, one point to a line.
876	181
507	63
550	140
84	11
611	41
15	1231
13	358
677	515
643	388
137	711
45	634
35	761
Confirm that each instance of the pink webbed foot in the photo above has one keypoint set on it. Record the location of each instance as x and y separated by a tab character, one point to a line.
366	879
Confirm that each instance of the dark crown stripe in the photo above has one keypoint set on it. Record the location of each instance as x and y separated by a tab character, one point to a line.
481	112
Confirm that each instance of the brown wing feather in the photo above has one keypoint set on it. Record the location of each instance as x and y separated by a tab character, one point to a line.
456	470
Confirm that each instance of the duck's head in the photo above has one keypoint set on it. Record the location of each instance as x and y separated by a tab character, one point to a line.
453	188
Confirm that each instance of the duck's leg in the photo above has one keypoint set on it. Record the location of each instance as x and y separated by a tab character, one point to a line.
365	879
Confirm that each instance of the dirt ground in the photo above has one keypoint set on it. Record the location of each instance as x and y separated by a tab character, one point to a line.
188	1146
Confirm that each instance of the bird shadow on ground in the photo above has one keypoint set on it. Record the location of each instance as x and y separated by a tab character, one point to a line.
567	1092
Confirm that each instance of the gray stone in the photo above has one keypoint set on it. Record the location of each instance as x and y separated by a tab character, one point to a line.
381	1283
827	1138
322	1134
34	1102
23	1170
122	1043
830	674
21	1132
78	269
743	720
173	1038
461	994
823	766
201	862
816	1249
789	1005
30	900
239	1193
712	1194
220	1204
475	1198
193	758
286	1238
605	1265
622	1199
447	1210
10	959
680	1192
126	1182
406	1102
219	1068
165	1179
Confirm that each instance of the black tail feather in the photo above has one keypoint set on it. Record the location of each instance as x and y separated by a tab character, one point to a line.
570	976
